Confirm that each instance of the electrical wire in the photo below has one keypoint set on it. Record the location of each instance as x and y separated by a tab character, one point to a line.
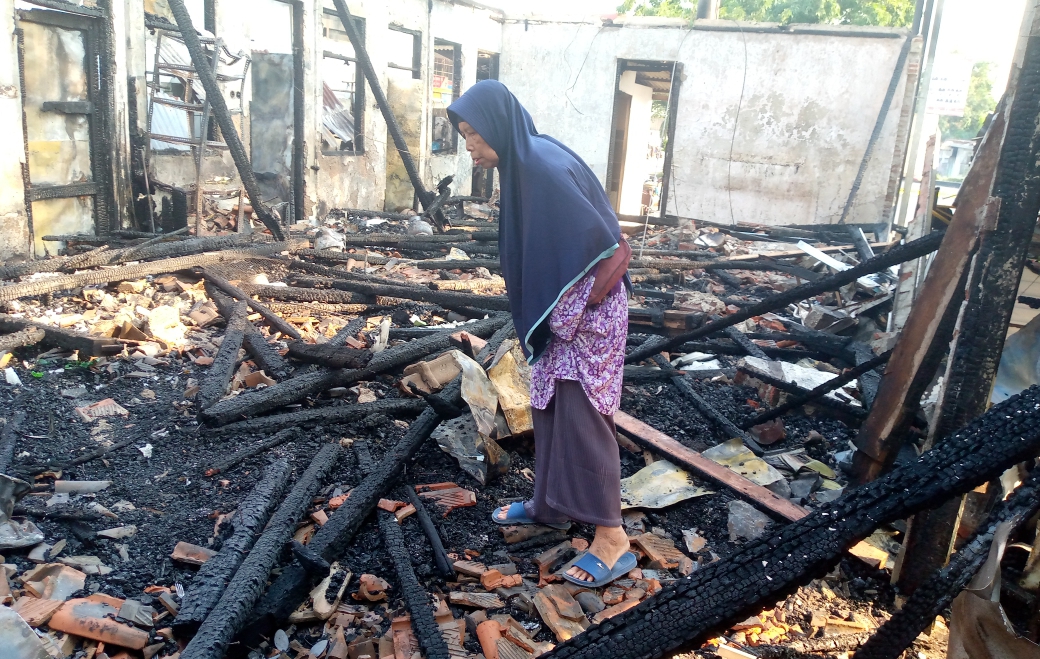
567	93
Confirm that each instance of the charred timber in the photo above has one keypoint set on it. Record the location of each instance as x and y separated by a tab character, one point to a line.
24	330
218	106
329	355
446	299
223	367
216	573
295	294
372	76
298	388
8	439
132	272
263	353
21	338
274	440
764	571
323	416
938	591
440	555
814	395
896	255
716	418
294	583
245	588
274	320
416	599
800	397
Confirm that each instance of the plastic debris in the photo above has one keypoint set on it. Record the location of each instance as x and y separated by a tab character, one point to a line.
15	534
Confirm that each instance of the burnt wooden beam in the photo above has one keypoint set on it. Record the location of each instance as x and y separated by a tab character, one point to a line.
274	320
262	352
294	583
1010	218
329	355
132	272
440	555
329	415
274	440
426	197
815	395
892	257
298	388
21	338
843	411
762	572
296	294
713	416
223	368
215	574
218	106
230	613
938	591
446	299
8	440
22	330
876	441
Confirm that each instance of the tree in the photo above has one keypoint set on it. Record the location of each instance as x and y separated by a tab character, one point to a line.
891	13
980	103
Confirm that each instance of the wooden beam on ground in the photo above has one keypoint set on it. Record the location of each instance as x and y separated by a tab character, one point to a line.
658	442
88	346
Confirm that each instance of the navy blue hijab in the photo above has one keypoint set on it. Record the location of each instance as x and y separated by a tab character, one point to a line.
555	222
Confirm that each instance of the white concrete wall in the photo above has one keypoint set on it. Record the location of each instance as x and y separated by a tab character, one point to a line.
807	105
637	167
14	224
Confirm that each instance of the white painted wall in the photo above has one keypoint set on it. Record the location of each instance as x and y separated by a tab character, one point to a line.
637	167
796	119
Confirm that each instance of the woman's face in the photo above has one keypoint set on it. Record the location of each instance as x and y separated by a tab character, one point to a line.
479	150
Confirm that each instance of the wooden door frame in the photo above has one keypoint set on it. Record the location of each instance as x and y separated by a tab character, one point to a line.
98	117
675	68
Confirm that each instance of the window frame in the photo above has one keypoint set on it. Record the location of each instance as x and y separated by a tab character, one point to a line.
358	108
456	91
416	67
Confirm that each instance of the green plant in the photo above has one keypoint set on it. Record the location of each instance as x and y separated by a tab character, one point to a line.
979	104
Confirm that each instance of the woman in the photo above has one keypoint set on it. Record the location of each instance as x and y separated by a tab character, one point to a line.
563	259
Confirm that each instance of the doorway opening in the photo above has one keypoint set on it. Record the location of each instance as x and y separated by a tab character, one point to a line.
642	136
484	179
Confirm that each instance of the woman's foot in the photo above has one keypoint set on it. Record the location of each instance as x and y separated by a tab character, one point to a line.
610	544
502	513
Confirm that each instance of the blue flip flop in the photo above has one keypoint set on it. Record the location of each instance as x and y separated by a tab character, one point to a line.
517	514
599	571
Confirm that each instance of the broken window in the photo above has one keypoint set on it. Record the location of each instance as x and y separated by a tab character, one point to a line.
402	40
487	66
343	89
447	74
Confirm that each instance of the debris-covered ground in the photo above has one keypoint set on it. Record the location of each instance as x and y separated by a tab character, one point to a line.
153	405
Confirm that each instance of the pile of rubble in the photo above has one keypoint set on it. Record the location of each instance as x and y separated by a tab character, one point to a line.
222	444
